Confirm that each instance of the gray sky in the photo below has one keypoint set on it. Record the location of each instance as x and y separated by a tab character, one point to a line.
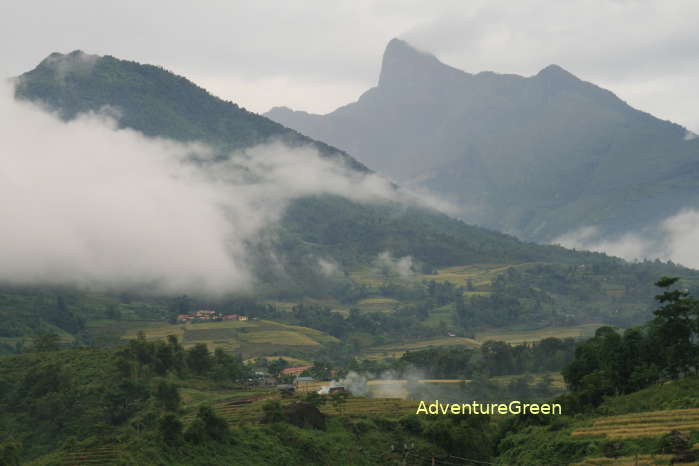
317	55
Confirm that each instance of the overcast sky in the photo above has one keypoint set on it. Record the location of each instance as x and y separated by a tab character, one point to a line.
316	55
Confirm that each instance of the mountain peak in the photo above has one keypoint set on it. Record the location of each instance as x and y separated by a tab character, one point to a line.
402	61
554	71
75	62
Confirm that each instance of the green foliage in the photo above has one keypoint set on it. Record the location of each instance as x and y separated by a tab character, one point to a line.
170	429
463	436
10	452
612	363
198	358
677	329
338	399
315	399
167	395
537	445
206	426
272	411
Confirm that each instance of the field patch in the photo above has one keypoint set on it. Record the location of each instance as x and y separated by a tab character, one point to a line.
636	460
648	424
281	336
378	305
252	337
396	350
241	410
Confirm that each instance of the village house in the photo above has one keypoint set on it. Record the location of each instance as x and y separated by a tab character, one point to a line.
207	315
184	318
234	317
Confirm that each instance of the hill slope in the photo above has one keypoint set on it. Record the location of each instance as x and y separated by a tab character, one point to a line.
537	156
159	103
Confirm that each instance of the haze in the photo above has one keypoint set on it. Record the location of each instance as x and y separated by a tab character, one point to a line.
316	56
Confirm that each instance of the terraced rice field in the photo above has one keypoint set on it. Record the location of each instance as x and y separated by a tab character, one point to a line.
92	456
290	359
238	411
360	407
650	424
480	274
252	337
640	460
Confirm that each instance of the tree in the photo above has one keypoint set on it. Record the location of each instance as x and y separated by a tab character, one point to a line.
167	395
206	426
170	429
339	399
10	452
676	326
315	399
272	410
275	367
198	359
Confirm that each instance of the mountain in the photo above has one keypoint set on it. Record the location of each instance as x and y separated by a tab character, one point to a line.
536	156
154	101
159	103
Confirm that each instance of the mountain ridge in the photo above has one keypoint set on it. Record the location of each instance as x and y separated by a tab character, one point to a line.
536	156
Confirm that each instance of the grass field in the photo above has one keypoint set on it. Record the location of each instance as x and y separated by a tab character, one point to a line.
648	424
251	338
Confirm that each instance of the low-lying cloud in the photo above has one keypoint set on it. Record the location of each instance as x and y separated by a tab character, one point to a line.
85	203
394	266
675	239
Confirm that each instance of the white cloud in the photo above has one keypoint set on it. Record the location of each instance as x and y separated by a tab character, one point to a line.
88	204
389	265
675	239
